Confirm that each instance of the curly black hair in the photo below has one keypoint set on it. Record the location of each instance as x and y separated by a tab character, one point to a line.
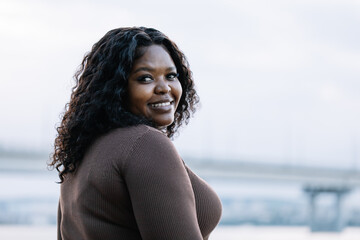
98	99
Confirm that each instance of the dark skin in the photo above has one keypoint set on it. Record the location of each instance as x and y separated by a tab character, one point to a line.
154	90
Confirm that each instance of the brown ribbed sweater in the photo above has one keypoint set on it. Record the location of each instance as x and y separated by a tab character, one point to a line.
132	184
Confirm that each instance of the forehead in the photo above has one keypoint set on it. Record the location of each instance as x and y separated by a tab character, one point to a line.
154	55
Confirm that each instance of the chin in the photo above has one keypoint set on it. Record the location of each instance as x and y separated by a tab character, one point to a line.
162	123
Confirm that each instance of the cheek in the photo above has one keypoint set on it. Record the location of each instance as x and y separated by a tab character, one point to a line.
138	97
177	90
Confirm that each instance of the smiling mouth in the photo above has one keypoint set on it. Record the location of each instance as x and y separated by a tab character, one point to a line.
163	104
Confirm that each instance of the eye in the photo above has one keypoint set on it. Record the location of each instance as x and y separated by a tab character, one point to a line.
172	76
145	79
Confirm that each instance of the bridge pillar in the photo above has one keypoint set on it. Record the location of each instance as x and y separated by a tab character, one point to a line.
334	221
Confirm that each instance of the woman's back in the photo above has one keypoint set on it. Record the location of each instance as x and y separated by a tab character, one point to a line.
132	184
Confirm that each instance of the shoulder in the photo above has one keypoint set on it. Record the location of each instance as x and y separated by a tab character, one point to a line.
122	145
130	135
135	139
152	140
152	149
120	142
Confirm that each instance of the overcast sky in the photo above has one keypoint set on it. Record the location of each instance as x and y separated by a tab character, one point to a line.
279	81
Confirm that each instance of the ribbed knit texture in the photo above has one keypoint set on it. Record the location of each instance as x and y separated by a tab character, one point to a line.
132	184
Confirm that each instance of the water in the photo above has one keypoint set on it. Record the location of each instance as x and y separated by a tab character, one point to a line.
28	198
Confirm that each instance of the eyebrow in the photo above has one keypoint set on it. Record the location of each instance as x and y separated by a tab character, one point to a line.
147	69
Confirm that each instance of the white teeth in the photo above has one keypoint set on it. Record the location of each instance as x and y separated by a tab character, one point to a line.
160	104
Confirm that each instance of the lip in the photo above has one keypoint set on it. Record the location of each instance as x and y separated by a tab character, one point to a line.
162	106
163	100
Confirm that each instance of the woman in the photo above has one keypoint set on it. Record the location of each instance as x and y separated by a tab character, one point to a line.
121	177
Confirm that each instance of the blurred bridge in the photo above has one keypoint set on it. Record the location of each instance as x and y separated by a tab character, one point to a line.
315	181
306	175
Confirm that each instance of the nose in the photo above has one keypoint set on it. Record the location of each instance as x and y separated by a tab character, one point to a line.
162	87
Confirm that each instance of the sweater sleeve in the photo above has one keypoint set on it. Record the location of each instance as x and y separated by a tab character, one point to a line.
160	190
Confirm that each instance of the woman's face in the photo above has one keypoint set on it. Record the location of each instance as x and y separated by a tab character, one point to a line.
154	90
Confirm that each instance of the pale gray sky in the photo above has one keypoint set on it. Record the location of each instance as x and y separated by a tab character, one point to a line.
278	80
